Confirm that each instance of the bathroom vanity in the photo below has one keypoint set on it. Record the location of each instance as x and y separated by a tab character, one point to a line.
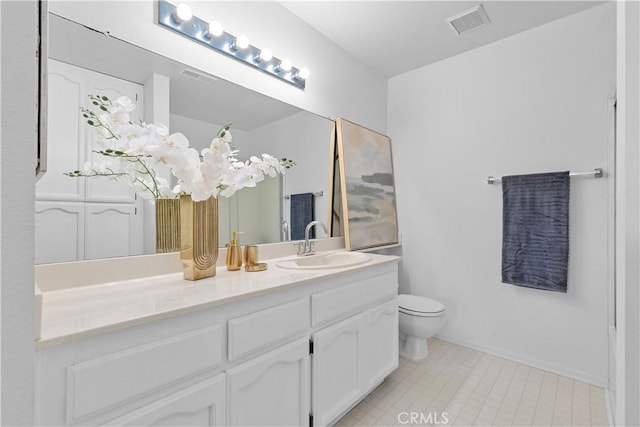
279	347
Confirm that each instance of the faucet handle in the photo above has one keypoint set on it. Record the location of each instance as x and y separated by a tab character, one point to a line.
312	247
301	248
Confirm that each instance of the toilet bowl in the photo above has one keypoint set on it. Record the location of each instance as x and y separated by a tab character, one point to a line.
420	318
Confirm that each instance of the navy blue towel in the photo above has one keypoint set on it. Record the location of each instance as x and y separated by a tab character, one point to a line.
535	230
302	213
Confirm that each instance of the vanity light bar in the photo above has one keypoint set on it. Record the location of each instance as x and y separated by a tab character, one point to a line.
198	30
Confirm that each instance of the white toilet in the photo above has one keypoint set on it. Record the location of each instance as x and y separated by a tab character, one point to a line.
420	318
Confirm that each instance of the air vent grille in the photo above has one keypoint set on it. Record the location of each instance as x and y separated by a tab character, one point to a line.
198	76
468	20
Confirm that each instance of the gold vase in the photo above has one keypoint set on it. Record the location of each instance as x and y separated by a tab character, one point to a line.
198	237
167	225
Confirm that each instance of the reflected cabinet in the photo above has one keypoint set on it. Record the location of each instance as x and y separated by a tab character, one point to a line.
79	218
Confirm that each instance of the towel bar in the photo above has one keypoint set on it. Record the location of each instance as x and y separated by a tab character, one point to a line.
597	173
317	194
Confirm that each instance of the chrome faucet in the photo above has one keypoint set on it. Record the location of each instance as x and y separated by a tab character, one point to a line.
307	247
285	231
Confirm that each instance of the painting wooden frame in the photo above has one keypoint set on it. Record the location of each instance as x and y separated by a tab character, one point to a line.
334	216
367	187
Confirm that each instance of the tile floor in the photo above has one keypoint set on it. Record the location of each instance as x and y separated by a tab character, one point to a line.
458	386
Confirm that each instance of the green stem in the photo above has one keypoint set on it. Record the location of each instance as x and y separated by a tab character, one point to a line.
95	173
100	124
152	174
147	171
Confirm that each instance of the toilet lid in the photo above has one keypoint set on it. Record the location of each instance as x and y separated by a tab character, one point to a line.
415	304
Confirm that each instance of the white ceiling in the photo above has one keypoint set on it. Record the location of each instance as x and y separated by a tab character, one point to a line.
394	37
391	37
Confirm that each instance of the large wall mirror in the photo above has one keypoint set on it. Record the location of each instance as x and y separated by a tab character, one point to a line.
80	218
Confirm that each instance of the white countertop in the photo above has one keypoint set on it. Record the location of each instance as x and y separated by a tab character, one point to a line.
82	311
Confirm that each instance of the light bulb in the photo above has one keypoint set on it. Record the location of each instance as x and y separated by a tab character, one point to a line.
303	73
242	42
215	29
285	65
265	55
183	13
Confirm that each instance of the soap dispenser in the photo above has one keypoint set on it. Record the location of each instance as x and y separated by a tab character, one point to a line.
234	253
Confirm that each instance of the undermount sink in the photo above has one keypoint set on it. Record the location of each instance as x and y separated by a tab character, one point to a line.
322	261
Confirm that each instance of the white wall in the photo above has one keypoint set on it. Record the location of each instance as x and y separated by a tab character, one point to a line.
627	393
201	133
155	110
534	102
338	86
18	23
311	152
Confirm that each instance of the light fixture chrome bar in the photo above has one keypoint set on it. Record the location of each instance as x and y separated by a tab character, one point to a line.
596	173
196	29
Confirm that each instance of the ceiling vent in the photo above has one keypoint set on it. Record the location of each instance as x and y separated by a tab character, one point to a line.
198	76
469	20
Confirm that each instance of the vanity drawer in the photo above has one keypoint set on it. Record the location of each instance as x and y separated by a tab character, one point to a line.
262	328
107	381
338	302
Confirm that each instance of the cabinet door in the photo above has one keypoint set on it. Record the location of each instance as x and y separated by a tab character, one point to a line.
71	140
338	374
112	230
103	189
66	142
271	390
202	404
59	231
381	337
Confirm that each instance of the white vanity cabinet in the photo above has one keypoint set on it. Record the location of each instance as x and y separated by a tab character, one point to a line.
272	389
138	375
202	404
351	358
338	374
381	342
303	354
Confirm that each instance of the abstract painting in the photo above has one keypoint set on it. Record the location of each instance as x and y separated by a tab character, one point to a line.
367	187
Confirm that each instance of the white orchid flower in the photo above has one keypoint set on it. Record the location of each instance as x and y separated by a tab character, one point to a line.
133	150
176	140
159	129
123	103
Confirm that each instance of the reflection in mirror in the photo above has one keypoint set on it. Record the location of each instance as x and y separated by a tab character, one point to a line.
335	203
81	218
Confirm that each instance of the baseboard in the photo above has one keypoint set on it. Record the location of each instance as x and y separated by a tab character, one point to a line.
540	364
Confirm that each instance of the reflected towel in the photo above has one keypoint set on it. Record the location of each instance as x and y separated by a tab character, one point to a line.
535	230
302	213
